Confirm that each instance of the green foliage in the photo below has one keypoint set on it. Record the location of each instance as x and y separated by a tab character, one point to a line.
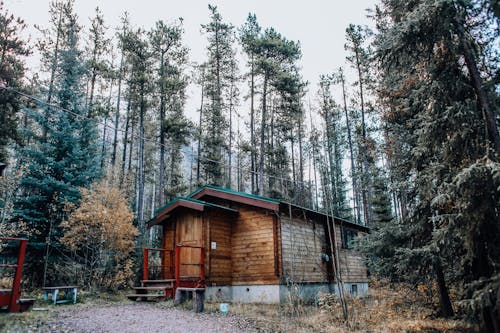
12	51
63	157
436	118
219	71
175	129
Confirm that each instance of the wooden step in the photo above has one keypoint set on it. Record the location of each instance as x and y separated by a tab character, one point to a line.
134	297
152	288
158	281
190	289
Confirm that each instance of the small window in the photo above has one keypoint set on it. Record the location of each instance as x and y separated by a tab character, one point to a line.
348	236
354	290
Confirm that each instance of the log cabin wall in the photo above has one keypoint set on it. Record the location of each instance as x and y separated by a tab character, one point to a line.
303	243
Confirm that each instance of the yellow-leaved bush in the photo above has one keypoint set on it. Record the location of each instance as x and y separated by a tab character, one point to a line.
100	234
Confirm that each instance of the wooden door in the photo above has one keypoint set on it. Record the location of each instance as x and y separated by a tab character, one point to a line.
189	232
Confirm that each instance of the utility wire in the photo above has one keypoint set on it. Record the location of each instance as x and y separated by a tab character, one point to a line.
192	155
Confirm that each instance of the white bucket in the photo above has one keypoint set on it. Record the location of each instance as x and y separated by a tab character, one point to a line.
224	308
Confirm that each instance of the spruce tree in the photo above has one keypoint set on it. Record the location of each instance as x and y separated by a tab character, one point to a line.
438	111
13	49
63	156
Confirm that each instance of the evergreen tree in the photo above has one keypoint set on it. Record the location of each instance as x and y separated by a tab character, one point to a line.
62	158
97	47
139	57
170	57
359	59
439	112
275	60
12	51
334	149
218	76
249	35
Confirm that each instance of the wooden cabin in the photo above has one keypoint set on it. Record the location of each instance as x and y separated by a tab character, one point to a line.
247	248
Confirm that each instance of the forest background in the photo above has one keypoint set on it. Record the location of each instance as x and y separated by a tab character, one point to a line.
406	142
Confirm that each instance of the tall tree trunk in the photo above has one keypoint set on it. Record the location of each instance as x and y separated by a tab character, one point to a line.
301	160
444	297
200	133
493	137
131	144
103	150
252	126
260	186
103	147
117	113
230	155
125	140
365	169
294	171
161	193
53	68
140	176
355	193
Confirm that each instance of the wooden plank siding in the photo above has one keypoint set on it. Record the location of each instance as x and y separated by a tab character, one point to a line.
256	246
218	260
254	251
352	266
303	242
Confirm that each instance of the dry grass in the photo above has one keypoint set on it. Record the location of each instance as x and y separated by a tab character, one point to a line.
386	309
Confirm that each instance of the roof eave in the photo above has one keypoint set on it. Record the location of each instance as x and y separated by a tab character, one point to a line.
257	202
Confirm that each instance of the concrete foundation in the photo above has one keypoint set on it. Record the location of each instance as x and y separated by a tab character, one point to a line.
307	292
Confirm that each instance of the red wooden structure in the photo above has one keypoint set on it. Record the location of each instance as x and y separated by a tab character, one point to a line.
11	298
172	272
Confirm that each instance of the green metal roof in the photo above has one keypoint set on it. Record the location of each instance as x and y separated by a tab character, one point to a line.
204	203
242	194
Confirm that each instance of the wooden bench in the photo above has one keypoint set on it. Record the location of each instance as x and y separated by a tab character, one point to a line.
69	294
198	295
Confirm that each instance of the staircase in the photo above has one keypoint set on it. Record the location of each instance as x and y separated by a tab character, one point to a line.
150	290
162	289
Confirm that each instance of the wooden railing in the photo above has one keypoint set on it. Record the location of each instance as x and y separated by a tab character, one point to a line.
201	264
11	300
166	270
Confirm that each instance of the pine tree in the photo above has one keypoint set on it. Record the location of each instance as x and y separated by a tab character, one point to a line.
359	59
249	35
334	149
170	57
97	47
219	69
139	57
275	56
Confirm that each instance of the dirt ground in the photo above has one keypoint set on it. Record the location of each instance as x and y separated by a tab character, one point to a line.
388	308
122	318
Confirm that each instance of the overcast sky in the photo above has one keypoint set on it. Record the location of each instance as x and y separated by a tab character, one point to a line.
319	25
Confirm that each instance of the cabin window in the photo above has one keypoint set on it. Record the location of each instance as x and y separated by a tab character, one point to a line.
354	290
348	236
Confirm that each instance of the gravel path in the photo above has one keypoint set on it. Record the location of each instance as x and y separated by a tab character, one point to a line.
147	317
128	318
